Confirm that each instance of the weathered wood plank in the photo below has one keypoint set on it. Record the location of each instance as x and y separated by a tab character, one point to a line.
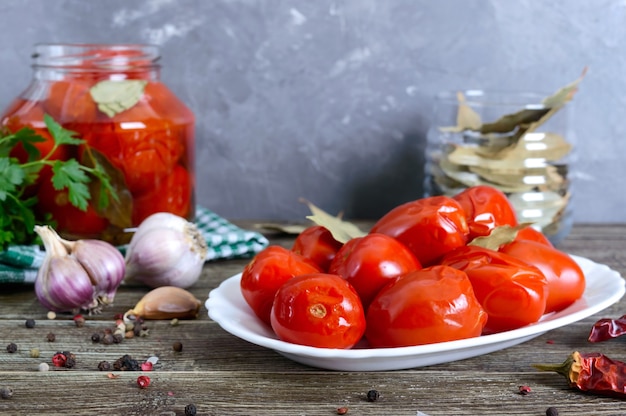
222	374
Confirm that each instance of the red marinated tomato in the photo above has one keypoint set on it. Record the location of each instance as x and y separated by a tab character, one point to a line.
512	292
435	304
174	194
369	263
319	310
429	227
566	280
317	244
267	272
486	208
530	233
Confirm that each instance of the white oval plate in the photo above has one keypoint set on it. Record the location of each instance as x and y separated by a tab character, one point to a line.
227	307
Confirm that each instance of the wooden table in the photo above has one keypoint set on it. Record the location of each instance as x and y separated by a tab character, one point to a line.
223	375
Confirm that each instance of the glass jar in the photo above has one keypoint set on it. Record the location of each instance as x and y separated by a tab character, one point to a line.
132	125
510	141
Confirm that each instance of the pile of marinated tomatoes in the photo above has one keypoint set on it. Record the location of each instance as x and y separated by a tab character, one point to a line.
417	277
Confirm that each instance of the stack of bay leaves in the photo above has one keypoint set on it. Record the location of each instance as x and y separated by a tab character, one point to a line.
516	153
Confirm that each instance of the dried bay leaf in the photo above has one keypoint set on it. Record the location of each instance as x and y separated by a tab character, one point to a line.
510	122
113	97
342	231
466	118
565	94
292	229
503	234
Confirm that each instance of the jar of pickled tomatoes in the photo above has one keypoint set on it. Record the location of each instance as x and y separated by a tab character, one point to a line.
131	124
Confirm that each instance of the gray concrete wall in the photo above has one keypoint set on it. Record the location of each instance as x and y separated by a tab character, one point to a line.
331	100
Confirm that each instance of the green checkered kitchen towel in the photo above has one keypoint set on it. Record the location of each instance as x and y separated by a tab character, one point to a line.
19	264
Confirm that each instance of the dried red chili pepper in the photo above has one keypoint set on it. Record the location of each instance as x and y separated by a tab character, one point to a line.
592	373
607	328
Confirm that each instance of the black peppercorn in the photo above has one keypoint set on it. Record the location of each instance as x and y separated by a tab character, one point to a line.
104	366
11	348
177	346
118	338
552	411
7	392
108	339
373	395
190	410
95	337
51	337
30	323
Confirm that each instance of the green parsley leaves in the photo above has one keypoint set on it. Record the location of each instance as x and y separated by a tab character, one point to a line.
17	218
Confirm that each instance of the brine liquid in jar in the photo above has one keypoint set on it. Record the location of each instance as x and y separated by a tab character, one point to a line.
132	125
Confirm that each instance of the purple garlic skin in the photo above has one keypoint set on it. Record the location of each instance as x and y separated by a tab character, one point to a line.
77	275
104	264
63	285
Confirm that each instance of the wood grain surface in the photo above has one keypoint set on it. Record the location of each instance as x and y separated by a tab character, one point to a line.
223	375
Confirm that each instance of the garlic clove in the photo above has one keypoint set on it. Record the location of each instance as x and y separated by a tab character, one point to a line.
103	262
166	256
166	302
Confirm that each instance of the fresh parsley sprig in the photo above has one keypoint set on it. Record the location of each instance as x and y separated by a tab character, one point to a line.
17	218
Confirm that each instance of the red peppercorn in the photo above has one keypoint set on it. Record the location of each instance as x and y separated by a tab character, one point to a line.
59	359
146	366
342	410
524	390
143	381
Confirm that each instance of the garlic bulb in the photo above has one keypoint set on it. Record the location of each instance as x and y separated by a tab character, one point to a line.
77	275
166	250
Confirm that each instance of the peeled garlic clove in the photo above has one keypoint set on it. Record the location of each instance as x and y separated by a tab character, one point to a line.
103	262
167	302
62	284
163	256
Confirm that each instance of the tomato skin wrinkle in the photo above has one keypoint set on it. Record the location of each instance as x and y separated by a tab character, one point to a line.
566	280
429	227
435	304
512	292
320	310
267	272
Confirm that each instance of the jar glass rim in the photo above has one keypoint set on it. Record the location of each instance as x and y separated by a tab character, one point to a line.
95	55
495	98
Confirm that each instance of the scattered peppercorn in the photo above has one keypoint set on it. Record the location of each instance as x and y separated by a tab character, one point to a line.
59	359
373	395
6	392
177	346
51	337
524	390
30	323
118	338
104	366
95	337
34	353
126	363
174	322
129	334
143	381
11	348
51	315
342	410
108	339
146	366
552	411
190	410
43	367
79	320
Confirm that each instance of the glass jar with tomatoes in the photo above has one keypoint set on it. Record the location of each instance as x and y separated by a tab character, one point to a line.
132	125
